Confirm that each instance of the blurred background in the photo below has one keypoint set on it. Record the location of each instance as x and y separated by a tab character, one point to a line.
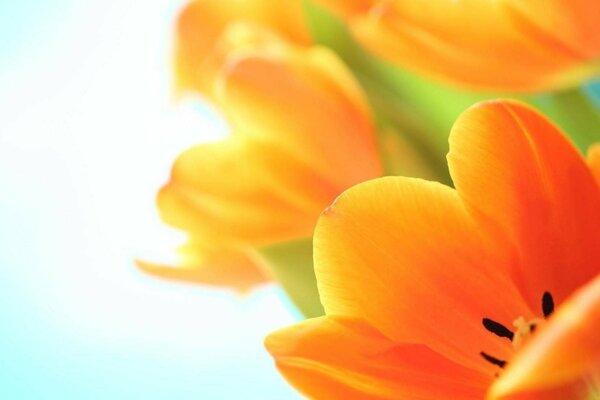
88	132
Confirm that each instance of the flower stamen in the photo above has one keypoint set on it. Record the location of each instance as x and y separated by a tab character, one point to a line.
493	360
497	328
523	329
547	304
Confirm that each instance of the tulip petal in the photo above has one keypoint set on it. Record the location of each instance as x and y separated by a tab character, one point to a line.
593	160
577	19
301	135
566	350
347	8
570	392
202	22
475	43
309	104
520	177
243	189
333	358
198	262
405	255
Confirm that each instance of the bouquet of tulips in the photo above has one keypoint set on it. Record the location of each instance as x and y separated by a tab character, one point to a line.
422	179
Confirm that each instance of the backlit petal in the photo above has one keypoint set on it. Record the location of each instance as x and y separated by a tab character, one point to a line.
406	256
244	189
567	350
302	134
333	358
475	43
198	262
518	174
308	104
565	392
202	22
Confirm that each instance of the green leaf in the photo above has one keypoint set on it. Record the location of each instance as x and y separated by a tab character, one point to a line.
292	265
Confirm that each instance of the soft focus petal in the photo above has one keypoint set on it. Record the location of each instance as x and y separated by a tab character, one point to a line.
202	22
567	350
476	43
301	135
333	358
566	392
244	189
405	255
593	160
571	24
198	262
308	104
348	8
519	175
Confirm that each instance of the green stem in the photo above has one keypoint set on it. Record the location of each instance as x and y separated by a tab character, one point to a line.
292	265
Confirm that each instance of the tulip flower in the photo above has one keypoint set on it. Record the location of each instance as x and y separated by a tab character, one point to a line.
491	289
494	45
301	134
202	23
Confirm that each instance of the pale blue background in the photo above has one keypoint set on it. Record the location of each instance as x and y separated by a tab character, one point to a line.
87	134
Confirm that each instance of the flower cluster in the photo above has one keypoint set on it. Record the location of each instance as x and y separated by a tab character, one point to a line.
484	284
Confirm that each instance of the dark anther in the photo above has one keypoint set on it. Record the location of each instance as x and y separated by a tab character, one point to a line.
493	360
532	328
497	328
547	304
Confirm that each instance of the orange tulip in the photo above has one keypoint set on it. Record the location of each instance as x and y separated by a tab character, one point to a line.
301	134
501	45
490	290
203	23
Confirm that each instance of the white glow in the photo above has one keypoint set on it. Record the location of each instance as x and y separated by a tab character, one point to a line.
88	132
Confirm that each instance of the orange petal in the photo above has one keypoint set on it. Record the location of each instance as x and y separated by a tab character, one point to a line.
475	43
577	19
405	255
302	134
593	159
202	22
347	8
334	358
243	189
309	104
221	266
565	351
520	176
570	392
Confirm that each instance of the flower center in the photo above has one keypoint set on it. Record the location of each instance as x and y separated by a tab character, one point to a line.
523	329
